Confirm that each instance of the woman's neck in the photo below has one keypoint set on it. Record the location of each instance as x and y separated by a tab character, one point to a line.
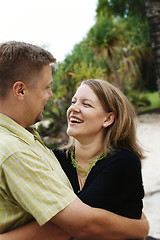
87	152
84	158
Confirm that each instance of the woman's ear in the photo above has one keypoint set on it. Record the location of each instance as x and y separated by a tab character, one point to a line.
19	89
109	119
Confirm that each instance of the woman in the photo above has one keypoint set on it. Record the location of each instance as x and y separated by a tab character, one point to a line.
103	162
102	159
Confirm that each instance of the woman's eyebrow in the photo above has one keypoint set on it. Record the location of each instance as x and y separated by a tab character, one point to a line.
87	99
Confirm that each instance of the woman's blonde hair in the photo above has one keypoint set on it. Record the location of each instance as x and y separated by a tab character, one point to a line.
122	132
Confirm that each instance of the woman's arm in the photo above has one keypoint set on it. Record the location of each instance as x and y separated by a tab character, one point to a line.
32	231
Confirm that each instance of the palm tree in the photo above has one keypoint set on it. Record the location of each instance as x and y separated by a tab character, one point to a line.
153	16
110	38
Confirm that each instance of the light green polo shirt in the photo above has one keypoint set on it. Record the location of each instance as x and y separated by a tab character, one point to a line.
32	182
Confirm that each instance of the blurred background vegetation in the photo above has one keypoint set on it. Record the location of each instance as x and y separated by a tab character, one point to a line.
117	49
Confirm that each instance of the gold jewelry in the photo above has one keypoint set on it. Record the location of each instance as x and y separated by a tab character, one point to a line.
80	170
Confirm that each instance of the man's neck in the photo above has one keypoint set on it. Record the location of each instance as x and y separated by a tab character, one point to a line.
11	110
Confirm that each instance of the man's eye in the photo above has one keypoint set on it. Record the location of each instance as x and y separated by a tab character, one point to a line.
73	102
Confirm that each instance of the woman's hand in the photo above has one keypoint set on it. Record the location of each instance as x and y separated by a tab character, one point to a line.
146	224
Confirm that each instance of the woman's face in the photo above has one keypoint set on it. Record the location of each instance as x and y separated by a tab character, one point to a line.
86	117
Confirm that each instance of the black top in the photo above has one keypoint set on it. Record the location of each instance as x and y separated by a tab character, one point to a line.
114	183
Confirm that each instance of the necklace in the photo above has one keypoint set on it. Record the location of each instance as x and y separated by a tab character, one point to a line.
80	170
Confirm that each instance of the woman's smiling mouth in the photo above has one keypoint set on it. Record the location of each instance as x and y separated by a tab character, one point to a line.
75	120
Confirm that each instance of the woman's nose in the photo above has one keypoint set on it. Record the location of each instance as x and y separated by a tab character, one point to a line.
75	108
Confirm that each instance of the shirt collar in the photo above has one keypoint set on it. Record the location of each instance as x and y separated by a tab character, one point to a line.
28	135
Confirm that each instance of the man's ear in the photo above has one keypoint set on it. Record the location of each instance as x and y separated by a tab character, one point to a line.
109	119
19	89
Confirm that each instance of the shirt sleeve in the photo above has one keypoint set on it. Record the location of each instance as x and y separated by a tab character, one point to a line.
117	187
35	186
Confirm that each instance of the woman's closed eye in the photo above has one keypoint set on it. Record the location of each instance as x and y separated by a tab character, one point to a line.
73	102
84	103
87	104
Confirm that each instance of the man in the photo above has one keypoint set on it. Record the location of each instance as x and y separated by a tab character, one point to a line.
32	183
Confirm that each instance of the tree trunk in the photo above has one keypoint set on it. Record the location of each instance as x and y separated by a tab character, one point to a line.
153	16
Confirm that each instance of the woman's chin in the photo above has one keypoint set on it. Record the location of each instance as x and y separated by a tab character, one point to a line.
71	133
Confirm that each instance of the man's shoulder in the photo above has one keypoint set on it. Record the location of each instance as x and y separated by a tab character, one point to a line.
10	144
6	138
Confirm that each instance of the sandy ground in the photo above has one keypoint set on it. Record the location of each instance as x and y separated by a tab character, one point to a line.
148	133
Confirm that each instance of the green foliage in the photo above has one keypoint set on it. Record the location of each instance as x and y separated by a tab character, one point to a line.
138	101
106	32
137	31
122	8
154	101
